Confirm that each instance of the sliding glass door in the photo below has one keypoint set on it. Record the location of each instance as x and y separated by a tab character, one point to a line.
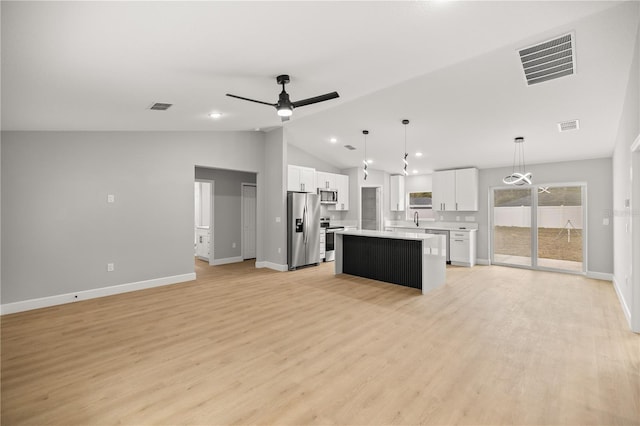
512	239
560	215
539	227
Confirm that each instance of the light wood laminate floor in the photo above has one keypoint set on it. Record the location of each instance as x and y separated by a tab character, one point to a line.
241	345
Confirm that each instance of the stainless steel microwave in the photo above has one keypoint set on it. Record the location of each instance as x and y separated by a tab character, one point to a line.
328	196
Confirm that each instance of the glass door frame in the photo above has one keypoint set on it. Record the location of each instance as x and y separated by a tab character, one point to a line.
534	226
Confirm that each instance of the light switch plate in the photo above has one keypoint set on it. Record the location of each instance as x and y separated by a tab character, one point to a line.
277	219
111	198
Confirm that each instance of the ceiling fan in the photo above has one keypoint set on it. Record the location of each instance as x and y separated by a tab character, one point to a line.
284	106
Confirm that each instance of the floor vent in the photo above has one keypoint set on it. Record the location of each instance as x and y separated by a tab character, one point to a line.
565	126
350	147
549	60
158	106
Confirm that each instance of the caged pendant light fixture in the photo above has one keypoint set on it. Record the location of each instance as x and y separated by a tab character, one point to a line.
518	175
406	154
364	160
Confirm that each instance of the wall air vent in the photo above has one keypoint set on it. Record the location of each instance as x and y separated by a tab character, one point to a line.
350	147
565	126
158	106
549	60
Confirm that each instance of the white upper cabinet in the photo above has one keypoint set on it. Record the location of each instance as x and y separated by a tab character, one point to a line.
326	180
455	190
467	190
301	179
396	193
342	186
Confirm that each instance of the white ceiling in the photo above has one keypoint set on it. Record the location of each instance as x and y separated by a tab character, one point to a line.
449	67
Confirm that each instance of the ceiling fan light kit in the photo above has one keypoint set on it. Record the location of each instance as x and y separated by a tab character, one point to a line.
519	176
285	106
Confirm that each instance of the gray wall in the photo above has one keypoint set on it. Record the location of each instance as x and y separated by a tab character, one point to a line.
58	232
596	173
298	157
628	130
227	205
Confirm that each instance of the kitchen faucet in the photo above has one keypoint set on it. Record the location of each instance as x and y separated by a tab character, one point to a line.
415	218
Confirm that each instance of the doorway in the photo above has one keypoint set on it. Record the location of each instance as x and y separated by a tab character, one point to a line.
248	208
203	219
539	227
371	208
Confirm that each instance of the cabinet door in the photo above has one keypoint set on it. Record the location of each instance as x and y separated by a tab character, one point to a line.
342	184
444	190
459	250
396	193
293	179
322	180
467	189
308	179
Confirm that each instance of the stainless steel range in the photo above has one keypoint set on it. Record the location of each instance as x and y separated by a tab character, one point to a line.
329	242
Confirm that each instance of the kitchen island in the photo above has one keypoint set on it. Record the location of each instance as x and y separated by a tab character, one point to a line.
409	259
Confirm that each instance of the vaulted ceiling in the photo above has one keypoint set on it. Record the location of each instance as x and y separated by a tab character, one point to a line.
451	68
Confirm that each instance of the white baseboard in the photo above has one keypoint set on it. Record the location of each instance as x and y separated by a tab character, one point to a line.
44	302
600	276
483	262
226	260
623	303
271	265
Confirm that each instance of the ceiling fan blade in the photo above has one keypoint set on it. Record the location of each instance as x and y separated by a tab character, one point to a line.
315	99
250	100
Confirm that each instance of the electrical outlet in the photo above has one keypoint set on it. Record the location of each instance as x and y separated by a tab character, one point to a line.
110	267
458	218
111	198
233	245
279	250
277	219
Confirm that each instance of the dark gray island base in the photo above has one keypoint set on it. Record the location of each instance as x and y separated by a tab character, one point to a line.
383	259
413	260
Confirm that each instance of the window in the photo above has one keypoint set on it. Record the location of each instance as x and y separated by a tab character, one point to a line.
420	202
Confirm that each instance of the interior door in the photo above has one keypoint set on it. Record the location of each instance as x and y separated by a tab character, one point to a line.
249	221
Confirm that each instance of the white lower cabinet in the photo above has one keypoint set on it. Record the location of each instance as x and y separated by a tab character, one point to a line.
323	239
462	246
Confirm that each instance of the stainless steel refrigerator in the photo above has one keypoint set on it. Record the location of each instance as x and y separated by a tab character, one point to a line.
303	229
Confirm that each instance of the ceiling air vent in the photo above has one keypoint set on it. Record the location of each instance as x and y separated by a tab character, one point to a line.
565	126
350	147
549	60
158	106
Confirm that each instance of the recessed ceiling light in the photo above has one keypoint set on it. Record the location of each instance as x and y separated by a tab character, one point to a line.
370	161
257	129
418	154
333	140
415	171
215	115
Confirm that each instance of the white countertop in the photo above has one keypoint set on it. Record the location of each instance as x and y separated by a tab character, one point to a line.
423	227
386	234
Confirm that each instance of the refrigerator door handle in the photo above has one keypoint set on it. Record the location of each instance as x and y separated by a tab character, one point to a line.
304	224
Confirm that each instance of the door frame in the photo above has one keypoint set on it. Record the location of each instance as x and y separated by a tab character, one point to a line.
242	246
534	227
211	217
634	220
381	210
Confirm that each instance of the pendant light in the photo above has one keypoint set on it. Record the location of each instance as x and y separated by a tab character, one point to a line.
518	175
406	154
364	168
